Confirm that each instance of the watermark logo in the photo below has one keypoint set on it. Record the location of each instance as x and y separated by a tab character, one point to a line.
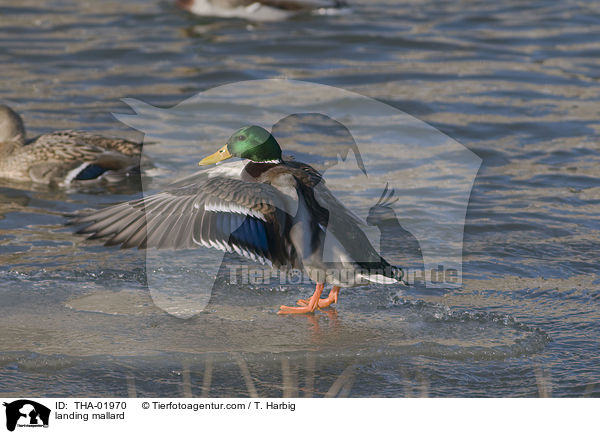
388	183
25	413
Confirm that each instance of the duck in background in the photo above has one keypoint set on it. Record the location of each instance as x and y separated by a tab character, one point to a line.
63	158
261	10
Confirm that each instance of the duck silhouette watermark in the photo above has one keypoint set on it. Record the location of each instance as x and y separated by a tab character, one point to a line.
374	183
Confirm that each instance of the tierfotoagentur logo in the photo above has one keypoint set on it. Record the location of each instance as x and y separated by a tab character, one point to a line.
332	188
25	413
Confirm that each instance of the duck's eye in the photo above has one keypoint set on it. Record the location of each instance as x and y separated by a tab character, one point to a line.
241	137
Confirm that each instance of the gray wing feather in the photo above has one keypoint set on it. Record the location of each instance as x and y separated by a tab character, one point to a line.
178	218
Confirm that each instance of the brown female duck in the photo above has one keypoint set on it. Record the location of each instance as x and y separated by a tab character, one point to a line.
62	158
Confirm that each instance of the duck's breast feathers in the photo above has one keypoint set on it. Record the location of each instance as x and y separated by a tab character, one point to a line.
303	173
206	210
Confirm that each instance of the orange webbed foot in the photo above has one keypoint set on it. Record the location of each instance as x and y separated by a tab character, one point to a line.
285	310
323	302
310	306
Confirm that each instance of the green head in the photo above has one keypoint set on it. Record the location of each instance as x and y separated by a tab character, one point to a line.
252	142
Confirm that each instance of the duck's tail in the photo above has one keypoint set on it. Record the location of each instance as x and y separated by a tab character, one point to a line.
386	274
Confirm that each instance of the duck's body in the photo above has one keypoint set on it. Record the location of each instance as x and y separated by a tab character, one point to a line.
272	211
62	158
258	10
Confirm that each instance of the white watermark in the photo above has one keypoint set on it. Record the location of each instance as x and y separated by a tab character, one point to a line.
247	275
407	183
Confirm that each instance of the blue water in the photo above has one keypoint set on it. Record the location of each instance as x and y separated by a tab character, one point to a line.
515	82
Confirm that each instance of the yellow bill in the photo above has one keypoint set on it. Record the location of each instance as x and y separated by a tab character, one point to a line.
220	155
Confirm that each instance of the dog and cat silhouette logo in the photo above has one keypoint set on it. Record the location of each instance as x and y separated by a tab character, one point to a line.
26	413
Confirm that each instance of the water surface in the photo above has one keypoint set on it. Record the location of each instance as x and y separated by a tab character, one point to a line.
516	83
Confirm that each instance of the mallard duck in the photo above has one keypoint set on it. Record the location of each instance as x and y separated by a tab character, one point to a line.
257	10
64	157
274	211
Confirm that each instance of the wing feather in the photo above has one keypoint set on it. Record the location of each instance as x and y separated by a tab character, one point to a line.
211	209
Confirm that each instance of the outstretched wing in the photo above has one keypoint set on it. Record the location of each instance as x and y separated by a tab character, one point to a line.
209	209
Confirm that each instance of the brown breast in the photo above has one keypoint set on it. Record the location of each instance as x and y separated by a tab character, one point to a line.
252	171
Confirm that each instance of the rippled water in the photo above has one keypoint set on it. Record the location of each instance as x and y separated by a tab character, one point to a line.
515	82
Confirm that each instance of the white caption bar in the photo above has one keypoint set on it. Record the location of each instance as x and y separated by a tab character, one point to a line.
121	415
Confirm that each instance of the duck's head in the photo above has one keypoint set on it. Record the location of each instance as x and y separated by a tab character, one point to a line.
252	142
11	126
